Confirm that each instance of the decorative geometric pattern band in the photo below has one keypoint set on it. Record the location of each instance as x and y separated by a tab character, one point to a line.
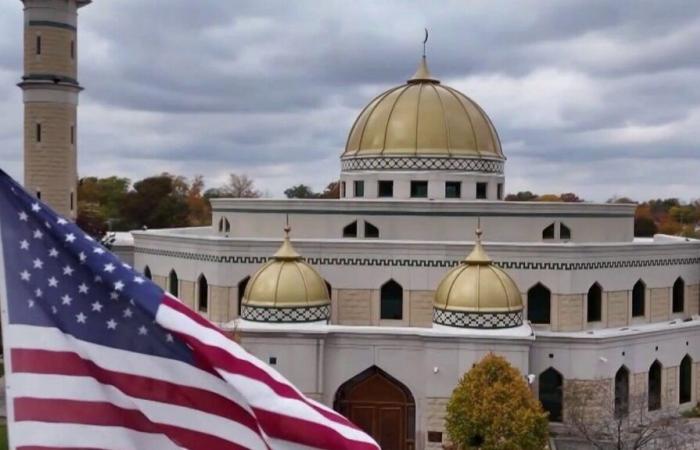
429	263
422	163
286	315
461	319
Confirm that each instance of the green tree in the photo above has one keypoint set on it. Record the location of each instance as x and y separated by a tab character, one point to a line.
300	191
155	202
522	196
492	408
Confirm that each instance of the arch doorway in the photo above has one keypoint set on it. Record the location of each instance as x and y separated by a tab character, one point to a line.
381	406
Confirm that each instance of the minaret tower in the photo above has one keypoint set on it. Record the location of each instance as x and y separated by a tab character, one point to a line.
50	87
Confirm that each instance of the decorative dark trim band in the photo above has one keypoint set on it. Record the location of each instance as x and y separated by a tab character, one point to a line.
286	315
51	23
461	319
430	263
408	212
422	163
50	77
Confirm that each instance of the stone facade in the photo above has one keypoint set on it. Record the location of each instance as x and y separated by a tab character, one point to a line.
618	308
660	304
570	313
669	392
50	165
435	411
354	306
186	293
55	57
421	308
692	299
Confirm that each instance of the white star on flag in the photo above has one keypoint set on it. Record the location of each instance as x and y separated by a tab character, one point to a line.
70	237
83	289
25	275
66	299
53	282
36	207
109	268
38	264
24	244
23	216
143	330
68	270
38	234
111	324
81	318
53	253
97	306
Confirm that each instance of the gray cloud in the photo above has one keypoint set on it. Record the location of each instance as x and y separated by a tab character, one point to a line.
591	96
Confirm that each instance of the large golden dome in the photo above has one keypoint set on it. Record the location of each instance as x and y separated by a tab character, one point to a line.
286	289
423	118
478	294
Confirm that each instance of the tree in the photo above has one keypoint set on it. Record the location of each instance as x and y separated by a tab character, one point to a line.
570	197
331	191
300	191
522	196
593	417
238	186
198	206
548	198
155	202
492	408
91	220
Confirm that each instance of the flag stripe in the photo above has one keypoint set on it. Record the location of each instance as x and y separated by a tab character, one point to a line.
155	389
237	360
82	436
262	391
107	414
88	389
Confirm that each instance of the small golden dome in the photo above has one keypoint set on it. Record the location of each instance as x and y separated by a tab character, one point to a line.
286	282
423	118
478	286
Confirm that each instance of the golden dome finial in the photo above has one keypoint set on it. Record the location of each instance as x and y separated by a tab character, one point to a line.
478	254
423	73
286	250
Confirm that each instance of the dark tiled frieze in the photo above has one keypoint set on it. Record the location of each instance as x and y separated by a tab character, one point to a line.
422	163
286	315
438	263
461	319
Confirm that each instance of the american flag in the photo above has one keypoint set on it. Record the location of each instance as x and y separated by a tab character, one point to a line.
99	357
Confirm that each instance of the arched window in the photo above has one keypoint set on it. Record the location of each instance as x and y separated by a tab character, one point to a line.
221	225
595	303
564	232
173	283
391	301
639	293
350	230
538	304
241	291
548	233
679	295
622	392
147	273
655	386
227	226
202	293
686	380
371	231
551	393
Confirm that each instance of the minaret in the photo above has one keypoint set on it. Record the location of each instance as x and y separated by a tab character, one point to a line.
50	88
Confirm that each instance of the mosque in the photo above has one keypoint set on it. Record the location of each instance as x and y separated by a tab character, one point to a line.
376	303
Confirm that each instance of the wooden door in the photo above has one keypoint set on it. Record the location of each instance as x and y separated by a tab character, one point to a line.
381	406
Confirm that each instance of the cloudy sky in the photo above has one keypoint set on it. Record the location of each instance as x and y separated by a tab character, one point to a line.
597	97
